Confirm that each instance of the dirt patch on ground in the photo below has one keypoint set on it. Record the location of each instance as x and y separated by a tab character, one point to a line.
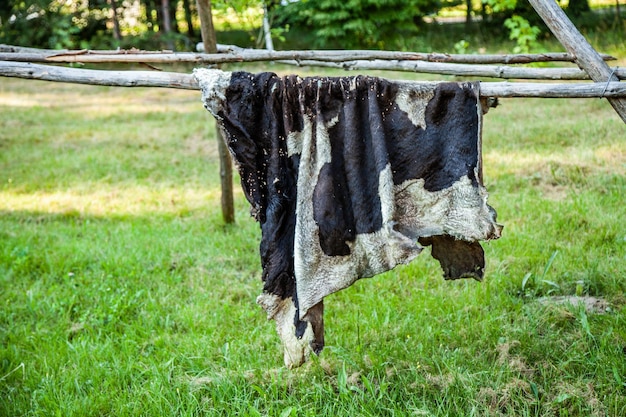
502	401
514	362
590	304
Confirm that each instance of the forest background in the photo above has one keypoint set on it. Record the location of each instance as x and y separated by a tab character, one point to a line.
337	24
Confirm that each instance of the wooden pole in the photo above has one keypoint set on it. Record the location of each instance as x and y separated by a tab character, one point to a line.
98	77
226	164
229	53
586	57
460	70
187	81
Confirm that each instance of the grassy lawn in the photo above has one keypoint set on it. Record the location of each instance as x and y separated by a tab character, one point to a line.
122	293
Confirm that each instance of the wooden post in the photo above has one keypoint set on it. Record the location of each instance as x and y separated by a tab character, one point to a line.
586	57
226	164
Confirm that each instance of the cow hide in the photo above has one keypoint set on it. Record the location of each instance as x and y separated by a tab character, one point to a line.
347	177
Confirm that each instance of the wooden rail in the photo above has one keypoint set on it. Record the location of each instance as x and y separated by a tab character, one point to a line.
186	81
461	70
433	63
231	53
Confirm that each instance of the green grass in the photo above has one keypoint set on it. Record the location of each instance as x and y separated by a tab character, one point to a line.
122	293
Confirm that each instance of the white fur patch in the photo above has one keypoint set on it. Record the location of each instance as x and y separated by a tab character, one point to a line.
460	210
295	351
412	98
386	194
294	139
213	84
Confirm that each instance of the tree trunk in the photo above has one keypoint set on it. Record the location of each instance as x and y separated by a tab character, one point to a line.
167	23
269	45
206	26
226	164
117	35
187	8
468	13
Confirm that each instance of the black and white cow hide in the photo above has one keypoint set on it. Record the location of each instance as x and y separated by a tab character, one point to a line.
346	176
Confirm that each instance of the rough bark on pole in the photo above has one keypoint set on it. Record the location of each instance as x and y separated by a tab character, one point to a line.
586	57
231	53
226	164
167	23
462	70
117	34
187	81
206	26
98	77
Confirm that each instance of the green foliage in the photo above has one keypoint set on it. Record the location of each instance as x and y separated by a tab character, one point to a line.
461	47
576	8
359	23
379	24
499	6
518	17
523	33
50	24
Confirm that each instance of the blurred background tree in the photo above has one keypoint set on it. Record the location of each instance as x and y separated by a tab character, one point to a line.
295	24
360	23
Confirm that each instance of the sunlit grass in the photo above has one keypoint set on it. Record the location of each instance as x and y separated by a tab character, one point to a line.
125	201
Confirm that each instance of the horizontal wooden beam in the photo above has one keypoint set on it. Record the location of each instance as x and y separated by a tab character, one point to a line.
551	90
187	81
98	77
460	70
229	53
343	55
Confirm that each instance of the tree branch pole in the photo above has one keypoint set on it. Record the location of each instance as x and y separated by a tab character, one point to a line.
188	82
98	77
226	164
461	70
230	54
586	57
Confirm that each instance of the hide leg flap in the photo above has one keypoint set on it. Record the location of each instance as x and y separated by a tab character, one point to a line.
458	258
315	319
299	337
